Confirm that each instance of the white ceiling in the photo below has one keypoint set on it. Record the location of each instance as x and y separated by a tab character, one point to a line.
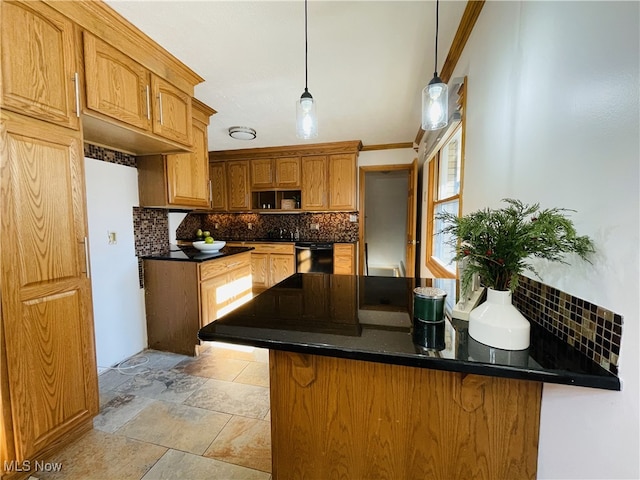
368	63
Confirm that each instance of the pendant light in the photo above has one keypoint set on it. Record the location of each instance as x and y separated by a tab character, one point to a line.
306	118
435	101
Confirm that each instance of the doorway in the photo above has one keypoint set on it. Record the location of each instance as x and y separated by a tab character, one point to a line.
387	220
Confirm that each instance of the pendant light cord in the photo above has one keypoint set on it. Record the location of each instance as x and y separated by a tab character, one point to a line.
306	48
435	66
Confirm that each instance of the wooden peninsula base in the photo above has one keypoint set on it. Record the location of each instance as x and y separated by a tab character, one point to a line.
335	418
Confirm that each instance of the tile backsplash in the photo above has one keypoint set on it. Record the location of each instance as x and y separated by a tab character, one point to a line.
595	331
334	227
151	234
108	155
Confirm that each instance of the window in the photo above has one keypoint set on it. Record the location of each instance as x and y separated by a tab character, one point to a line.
443	195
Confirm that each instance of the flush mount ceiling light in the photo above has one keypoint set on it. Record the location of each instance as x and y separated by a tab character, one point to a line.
242	133
435	101
306	118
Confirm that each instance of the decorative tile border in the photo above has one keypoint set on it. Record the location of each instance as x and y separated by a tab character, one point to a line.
151	234
108	155
593	330
334	227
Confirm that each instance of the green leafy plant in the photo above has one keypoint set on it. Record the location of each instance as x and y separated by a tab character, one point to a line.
498	243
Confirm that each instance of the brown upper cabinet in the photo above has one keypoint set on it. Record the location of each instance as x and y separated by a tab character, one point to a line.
288	173
218	183
262	173
238	196
314	182
278	173
120	89
342	181
319	177
39	74
179	180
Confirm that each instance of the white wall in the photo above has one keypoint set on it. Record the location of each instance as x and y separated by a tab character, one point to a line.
386	157
386	217
118	300
553	117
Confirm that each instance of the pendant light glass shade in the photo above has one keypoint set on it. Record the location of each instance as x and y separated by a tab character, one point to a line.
435	96
306	118
435	105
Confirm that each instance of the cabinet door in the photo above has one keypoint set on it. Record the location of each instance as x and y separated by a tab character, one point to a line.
172	112
314	182
46	293
260	270
262	173
344	259
38	63
342	182
211	303
116	85
188	173
238	184
280	267
288	172
218	178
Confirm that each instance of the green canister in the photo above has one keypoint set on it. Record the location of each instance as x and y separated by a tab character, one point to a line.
428	304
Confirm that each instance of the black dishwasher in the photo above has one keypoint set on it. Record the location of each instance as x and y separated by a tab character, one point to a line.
314	257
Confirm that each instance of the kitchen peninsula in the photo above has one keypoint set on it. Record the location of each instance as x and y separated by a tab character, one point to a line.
355	395
186	288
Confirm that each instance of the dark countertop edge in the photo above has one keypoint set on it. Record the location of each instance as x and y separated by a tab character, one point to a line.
166	258
561	377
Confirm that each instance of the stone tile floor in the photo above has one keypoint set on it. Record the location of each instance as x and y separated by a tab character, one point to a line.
168	416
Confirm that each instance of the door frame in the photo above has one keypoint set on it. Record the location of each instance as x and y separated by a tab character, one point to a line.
412	170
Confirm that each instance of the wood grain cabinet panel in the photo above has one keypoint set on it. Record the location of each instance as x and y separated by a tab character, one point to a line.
262	173
342	182
281	266
394	422
116	85
314	182
180	179
39	72
344	259
288	174
218	179
172	111
182	297
270	262
46	306
238	185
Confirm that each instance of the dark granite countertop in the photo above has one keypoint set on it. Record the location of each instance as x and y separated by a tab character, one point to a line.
370	319
192	254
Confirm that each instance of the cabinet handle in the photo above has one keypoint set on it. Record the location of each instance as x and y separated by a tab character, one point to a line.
148	105
210	192
160	105
233	264
86	258
77	89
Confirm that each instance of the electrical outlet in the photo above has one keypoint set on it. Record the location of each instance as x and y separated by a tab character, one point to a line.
250	226
113	238
353	218
315	226
216	226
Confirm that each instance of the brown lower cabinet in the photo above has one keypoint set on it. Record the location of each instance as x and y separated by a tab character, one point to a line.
270	262
341	418
182	297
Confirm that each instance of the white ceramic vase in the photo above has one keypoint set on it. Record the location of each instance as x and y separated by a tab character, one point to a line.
497	323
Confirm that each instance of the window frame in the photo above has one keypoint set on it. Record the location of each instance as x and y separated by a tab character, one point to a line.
435	266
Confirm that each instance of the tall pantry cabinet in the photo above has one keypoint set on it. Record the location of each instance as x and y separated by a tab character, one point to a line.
48	374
